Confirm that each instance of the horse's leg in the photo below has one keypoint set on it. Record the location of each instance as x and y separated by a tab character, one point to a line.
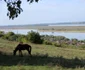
29	52
20	53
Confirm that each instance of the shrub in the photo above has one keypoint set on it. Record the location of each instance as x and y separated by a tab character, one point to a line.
60	45
9	36
1	33
12	38
57	44
34	37
82	46
21	38
47	42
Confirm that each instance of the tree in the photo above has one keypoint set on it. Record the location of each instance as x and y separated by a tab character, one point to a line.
14	7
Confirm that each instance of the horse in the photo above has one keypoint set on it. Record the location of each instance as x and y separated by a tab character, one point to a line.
21	47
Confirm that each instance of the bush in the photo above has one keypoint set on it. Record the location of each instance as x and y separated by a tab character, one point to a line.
9	36
63	45
57	44
22	38
47	42
1	33
12	38
34	37
82	46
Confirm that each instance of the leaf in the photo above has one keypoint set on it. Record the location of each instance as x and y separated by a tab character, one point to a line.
5	0
31	1
16	15
36	0
19	11
28	0
8	14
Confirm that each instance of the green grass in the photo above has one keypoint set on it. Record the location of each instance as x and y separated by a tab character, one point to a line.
44	57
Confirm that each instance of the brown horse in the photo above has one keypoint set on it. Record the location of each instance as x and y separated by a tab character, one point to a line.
21	47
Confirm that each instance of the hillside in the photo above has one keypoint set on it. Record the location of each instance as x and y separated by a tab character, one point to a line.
44	57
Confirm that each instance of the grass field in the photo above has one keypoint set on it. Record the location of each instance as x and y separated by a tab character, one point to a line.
44	57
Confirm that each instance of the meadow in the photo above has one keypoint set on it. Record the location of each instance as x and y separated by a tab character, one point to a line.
44	57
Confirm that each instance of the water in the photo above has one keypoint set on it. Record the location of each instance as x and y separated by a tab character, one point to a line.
70	35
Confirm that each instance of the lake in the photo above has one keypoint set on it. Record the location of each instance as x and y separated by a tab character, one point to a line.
70	35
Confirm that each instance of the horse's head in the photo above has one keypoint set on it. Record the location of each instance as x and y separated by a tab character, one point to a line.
14	52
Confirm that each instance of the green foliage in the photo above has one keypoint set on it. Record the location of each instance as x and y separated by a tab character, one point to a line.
63	45
60	38
74	41
47	42
10	36
14	7
52	38
32	1
57	44
34	37
82	46
1	33
22	38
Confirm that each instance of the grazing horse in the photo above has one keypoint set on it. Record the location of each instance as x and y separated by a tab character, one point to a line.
21	47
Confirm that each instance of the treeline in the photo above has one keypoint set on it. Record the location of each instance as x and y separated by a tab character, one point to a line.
35	37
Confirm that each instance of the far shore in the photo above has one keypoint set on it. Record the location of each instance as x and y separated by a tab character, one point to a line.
48	28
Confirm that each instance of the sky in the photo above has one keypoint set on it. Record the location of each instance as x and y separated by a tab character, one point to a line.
46	11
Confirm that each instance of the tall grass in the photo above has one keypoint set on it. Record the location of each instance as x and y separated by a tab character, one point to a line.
44	57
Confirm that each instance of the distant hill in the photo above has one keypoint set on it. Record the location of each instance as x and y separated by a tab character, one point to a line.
64	23
42	24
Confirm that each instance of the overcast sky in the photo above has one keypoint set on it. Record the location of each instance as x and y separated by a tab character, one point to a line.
46	11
